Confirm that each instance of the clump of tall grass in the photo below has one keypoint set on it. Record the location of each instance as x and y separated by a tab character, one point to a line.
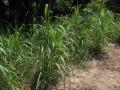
48	43
116	37
102	28
78	36
8	75
16	60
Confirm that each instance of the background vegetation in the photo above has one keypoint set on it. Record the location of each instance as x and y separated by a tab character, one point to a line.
44	52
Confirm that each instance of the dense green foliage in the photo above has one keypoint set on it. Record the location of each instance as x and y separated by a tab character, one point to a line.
45	56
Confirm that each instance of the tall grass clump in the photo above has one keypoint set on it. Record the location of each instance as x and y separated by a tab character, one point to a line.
116	37
8	76
117	34
102	28
16	60
48	43
78	34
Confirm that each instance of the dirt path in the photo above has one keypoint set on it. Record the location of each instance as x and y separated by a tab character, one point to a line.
102	75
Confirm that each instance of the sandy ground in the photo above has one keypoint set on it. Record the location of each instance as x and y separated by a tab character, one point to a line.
101	75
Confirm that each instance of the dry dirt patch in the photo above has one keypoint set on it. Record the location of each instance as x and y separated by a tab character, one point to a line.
103	74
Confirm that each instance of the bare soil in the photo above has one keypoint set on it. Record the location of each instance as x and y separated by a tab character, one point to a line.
101	75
